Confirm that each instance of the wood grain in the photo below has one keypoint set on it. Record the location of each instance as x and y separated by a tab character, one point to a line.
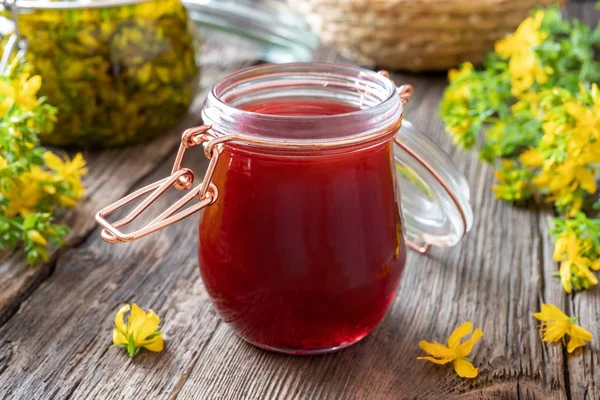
56	345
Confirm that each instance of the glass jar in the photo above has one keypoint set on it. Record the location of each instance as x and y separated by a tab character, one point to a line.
118	71
301	238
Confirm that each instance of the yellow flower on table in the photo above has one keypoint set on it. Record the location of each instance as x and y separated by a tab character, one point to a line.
556	325
141	330
456	352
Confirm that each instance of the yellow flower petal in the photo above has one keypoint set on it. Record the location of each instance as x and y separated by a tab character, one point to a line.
136	318
437	350
459	333
467	346
53	161
554	331
120	318
574	343
156	345
119	337
436	360
551	312
67	201
464	368
586	179
531	158
565	276
578	332
147	327
78	163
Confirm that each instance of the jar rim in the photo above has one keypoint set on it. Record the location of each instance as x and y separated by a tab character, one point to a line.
77	4
379	114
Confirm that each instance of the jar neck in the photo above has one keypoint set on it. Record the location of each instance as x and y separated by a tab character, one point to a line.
376	107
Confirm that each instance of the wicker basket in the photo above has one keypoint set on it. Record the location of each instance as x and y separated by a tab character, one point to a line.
416	35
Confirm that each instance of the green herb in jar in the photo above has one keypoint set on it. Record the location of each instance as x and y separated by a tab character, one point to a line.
117	74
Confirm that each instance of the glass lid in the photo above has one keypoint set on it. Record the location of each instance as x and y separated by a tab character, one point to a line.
434	194
281	33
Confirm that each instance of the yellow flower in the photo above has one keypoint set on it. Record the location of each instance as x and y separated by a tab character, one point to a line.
556	324
70	171
3	163
569	249
523	66
455	74
67	168
25	91
531	158
456	351
140	331
22	92
25	194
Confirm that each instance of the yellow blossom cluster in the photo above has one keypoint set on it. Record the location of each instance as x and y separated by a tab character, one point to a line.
567	155
575	267
34	183
524	67
42	185
533	111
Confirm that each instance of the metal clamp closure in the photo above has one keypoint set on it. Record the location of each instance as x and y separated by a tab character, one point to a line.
180	178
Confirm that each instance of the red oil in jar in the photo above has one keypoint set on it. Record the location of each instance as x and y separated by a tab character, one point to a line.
303	254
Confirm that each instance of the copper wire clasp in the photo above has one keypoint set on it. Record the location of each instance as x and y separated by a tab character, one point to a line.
180	178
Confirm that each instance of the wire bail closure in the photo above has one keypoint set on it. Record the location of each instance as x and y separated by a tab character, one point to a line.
181	179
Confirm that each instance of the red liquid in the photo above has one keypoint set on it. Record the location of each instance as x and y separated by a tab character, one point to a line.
303	254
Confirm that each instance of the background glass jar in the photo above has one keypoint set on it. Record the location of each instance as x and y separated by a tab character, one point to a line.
118	71
301	238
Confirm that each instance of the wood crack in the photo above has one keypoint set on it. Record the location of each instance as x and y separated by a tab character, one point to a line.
566	374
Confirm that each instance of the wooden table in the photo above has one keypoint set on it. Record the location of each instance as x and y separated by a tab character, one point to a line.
56	319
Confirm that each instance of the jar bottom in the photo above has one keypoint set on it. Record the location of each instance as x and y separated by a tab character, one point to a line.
303	352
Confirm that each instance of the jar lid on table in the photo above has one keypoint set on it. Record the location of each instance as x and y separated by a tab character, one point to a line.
435	195
280	32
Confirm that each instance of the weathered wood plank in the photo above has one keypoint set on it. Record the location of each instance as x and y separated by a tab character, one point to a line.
112	173
55	346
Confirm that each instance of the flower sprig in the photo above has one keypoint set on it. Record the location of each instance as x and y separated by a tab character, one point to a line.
140	331
35	184
456	351
533	110
556	325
